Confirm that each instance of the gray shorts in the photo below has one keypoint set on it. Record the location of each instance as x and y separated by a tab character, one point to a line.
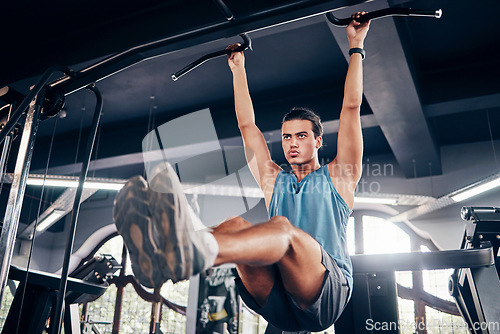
283	312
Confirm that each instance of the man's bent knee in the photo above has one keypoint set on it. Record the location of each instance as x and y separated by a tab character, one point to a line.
284	224
296	236
234	224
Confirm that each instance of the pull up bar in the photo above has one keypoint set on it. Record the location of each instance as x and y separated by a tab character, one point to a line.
384	13
334	20
246	45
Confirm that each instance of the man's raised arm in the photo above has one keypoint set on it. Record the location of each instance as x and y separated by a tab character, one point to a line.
259	160
350	140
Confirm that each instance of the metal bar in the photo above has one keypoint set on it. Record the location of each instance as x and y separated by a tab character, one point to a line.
3	159
156	316
384	13
225	9
247	44
462	258
51	281
16	115
119	294
287	12
76	209
16	195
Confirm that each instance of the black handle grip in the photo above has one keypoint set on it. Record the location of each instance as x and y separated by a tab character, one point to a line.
247	44
383	13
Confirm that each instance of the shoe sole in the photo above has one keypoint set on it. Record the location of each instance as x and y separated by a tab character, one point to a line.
133	222
158	246
167	207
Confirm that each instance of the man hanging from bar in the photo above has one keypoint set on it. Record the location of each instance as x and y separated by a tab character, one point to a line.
294	269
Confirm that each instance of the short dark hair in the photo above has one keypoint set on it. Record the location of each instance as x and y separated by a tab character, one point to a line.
305	114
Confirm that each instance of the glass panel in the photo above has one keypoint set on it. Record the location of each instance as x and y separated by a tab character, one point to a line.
442	323
177	293
102	310
404	278
406	310
350	236
8	297
136	312
382	237
436	283
171	321
251	323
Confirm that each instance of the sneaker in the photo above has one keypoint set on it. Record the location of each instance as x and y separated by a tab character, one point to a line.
156	223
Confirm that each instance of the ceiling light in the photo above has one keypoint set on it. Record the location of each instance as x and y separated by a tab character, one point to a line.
71	183
376	200
50	219
103	185
476	190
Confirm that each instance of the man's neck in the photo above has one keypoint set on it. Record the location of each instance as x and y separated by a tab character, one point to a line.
302	170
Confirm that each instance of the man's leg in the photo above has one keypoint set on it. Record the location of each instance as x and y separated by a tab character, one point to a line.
256	247
158	230
258	280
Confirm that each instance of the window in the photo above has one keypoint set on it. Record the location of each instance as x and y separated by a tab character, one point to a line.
383	237
136	312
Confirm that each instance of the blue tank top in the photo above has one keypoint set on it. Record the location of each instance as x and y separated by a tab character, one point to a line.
315	206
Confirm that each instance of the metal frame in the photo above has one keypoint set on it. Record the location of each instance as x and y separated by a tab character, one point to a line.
16	195
56	328
35	100
476	289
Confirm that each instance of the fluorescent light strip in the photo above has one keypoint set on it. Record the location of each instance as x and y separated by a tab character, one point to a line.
50	219
377	200
476	190
74	184
190	188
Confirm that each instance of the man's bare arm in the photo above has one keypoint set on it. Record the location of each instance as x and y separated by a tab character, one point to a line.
259	160
348	162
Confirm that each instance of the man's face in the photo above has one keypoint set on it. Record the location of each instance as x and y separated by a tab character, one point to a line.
299	144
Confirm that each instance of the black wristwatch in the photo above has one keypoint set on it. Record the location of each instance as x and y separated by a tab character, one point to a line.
357	50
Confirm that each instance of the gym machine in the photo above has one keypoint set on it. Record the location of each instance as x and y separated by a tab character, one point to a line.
475	283
477	289
35	298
